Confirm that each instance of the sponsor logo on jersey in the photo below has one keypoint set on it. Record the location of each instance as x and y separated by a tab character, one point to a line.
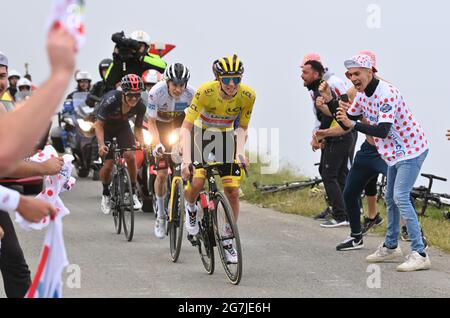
386	108
247	94
233	111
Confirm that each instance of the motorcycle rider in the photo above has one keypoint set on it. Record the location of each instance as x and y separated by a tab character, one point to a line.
83	79
24	87
13	77
99	88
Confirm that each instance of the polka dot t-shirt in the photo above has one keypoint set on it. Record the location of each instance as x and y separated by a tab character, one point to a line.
406	139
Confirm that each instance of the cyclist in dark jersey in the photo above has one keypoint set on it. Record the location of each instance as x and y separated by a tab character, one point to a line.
115	110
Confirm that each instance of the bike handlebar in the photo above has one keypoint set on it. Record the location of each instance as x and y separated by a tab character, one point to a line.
430	176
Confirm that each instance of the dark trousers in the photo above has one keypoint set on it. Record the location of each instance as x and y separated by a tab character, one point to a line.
334	165
14	268
366	166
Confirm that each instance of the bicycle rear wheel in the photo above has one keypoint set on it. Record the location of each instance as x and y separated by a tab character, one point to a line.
205	239
226	234
127	204
175	224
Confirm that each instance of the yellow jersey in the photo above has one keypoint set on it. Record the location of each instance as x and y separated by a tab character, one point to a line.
209	110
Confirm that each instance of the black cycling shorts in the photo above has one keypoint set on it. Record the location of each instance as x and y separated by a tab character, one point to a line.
123	133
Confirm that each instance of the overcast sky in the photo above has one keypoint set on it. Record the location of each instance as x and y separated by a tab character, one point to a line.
271	37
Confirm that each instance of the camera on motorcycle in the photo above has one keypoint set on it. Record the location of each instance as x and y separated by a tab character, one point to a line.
127	47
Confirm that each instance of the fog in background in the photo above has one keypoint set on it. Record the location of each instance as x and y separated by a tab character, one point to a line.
271	38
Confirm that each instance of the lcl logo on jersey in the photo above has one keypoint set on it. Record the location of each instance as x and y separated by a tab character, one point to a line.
247	94
233	111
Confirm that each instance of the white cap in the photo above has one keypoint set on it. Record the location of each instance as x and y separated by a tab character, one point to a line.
24	82
3	59
13	73
359	61
141	36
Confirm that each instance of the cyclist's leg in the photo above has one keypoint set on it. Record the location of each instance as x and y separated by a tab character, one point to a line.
231	175
161	191
106	170
125	139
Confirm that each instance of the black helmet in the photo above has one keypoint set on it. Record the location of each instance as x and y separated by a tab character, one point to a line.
105	63
177	73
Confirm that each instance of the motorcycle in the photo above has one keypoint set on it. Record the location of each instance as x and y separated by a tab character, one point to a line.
75	134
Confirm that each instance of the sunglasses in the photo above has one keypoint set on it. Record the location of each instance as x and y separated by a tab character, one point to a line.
133	95
227	80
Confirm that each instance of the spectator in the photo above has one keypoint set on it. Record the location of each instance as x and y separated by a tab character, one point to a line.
13	77
18	130
334	162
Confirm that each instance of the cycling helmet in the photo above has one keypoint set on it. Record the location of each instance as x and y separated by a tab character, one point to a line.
132	83
151	77
177	73
229	66
14	73
214	68
24	82
141	36
83	75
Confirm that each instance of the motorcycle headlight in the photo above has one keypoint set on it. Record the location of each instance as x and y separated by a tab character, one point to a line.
85	126
147	137
173	138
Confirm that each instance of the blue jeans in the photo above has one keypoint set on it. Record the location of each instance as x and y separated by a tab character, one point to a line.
400	181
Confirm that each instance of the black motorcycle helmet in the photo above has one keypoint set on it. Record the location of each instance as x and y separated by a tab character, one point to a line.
104	64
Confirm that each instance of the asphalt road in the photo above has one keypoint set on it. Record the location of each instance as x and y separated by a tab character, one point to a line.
284	256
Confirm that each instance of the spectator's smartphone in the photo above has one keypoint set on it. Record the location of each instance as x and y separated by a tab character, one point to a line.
344	98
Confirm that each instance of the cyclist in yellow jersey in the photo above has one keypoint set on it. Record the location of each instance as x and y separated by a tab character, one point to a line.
213	111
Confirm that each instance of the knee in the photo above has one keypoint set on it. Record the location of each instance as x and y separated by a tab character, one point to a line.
130	156
402	199
108	165
232	193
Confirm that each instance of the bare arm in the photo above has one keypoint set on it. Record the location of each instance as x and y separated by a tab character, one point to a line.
139	135
23	125
241	137
185	134
26	169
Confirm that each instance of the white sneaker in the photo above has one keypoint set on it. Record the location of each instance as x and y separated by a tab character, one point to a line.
137	205
230	253
414	262
106	204
160	228
191	221
384	254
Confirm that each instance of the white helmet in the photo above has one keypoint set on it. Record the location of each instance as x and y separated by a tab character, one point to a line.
151	77
13	73
83	75
24	82
141	36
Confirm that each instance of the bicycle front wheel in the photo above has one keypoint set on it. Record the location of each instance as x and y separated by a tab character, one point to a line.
115	208
227	238
127	204
175	225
